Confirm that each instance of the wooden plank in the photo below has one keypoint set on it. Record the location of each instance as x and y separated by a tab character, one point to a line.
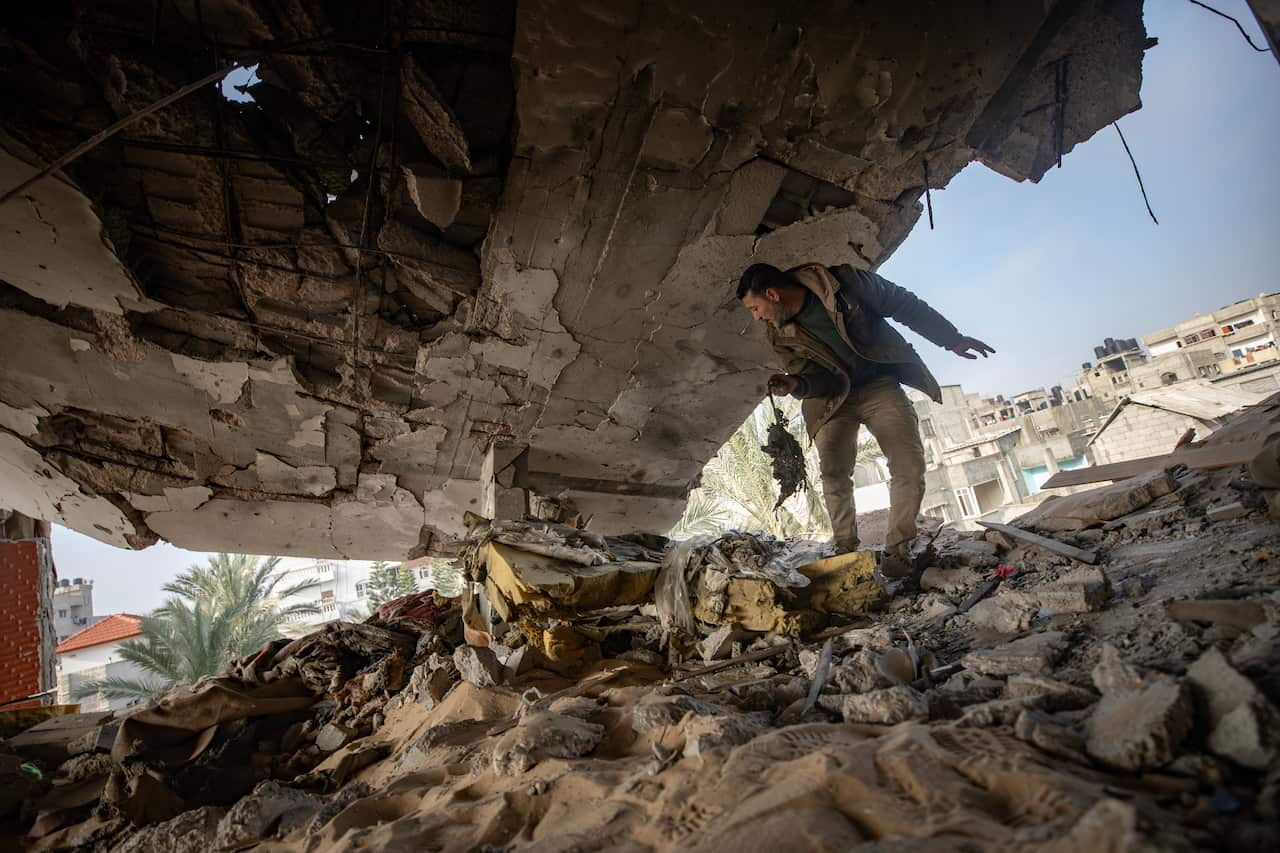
1200	458
1060	548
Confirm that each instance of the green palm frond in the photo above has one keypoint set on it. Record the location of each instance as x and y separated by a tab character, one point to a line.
115	687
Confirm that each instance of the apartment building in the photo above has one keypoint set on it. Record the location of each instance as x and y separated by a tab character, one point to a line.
335	589
72	607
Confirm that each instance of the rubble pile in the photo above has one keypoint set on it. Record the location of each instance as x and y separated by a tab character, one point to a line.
736	692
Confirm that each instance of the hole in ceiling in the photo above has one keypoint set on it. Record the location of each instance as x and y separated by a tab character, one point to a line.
233	85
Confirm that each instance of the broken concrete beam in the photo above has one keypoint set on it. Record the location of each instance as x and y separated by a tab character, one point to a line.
719	643
1036	653
889	706
1085	509
52	740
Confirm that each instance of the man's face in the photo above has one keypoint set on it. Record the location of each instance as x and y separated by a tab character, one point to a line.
767	306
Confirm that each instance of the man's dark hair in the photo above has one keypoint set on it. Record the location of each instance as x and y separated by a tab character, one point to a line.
758	278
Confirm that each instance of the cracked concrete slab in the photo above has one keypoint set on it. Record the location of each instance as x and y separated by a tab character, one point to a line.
226	331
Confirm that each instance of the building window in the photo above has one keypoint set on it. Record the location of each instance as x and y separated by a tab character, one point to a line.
326	595
62	614
360	588
926	428
965	498
425	573
1168	378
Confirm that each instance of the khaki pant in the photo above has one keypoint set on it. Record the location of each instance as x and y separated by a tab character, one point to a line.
883	406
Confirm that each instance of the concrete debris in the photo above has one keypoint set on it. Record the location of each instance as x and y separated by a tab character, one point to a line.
1226	512
1035	654
888	707
478	665
398	727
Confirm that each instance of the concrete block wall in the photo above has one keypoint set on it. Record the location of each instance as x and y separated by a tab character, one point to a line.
1140	431
27	664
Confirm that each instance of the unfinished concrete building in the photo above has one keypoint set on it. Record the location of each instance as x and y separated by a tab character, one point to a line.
296	322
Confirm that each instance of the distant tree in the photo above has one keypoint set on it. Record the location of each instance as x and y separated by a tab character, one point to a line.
388	582
215	613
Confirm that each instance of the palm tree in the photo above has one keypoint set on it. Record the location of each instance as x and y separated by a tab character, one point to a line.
226	609
740	480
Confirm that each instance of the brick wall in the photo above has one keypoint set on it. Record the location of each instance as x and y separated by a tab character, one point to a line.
26	619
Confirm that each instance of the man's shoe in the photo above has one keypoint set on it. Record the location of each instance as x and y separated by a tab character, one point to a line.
895	563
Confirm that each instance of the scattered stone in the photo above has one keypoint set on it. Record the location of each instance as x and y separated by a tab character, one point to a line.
333	737
1006	612
271	809
888	707
998	712
704	733
1056	695
950	581
1140	729
936	606
1082	590
543	735
430	681
1242	723
643	656
1046	734
189	832
896	666
858	673
719	644
1226	512
1113	674
978	553
654	712
1002	542
478	665
1036	653
349	794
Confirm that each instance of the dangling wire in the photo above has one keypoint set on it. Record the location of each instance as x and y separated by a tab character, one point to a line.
1138	174
1234	21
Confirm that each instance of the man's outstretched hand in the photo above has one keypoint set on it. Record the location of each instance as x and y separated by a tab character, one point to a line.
963	346
780	384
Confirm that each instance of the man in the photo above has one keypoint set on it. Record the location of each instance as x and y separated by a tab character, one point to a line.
848	365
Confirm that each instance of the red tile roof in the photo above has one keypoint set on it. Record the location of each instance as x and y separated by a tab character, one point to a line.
119	626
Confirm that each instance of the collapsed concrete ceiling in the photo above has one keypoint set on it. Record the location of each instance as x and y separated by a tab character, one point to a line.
293	324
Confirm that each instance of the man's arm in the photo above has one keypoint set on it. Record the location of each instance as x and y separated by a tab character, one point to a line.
887	299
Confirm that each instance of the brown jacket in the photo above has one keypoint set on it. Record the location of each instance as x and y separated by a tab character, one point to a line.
858	302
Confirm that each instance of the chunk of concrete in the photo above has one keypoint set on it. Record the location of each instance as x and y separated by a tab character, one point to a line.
888	707
655	712
1140	729
1242	723
1113	674
1049	736
950	581
189	832
1056	695
269	810
1226	512
1036	653
478	665
975	553
719	643
1083	590
1231	612
1006	612
543	735
704	733
333	737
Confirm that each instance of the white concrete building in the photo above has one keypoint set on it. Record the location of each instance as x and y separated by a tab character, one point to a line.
72	606
337	589
93	654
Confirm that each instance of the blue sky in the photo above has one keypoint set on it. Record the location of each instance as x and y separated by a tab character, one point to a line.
1042	272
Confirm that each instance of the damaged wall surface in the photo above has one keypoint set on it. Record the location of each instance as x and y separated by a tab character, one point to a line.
293	323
